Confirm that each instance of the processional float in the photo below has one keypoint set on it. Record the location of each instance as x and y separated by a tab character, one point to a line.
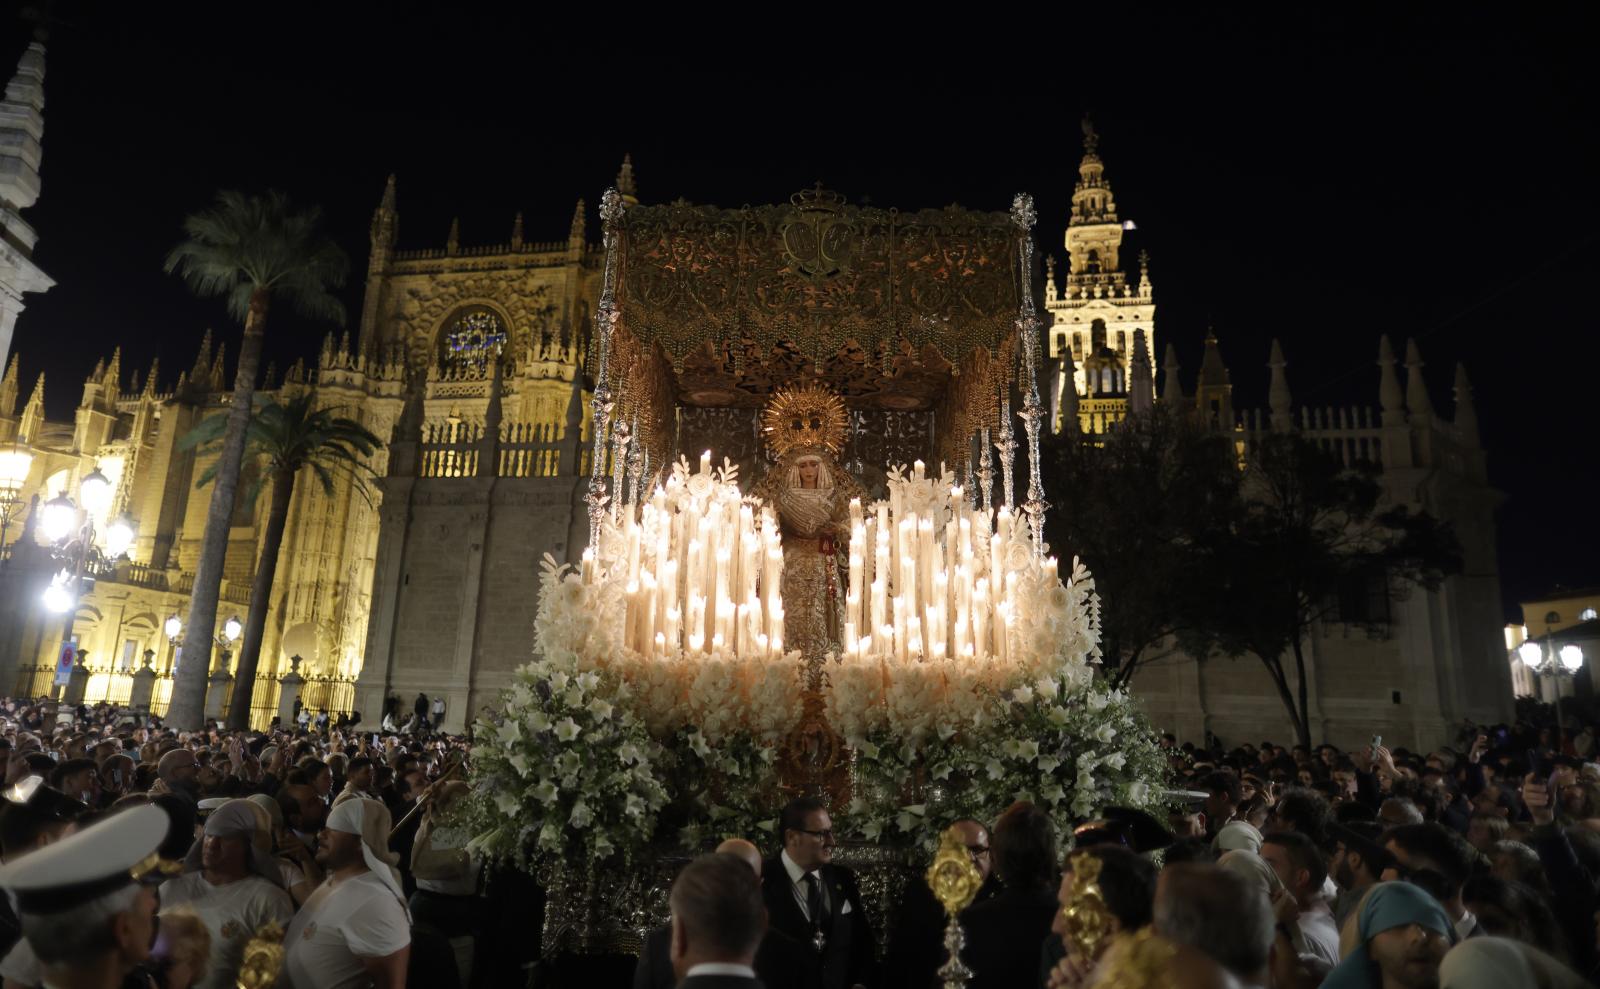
801	576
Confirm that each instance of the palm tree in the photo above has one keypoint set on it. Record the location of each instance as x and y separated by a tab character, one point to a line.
286	436
253	251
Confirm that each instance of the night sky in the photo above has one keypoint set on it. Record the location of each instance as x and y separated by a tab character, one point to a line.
1321	180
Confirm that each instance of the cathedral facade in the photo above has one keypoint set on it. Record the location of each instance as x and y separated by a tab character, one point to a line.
472	362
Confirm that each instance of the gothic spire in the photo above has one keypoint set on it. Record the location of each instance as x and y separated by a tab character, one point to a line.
113	376
1466	412
218	375
626	186
33	412
1389	395
150	381
1278	391
1067	414
516	231
202	360
385	220
577	233
1171	381
1141	380
1417	401
10	388
452	243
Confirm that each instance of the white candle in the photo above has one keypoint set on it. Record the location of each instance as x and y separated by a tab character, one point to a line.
705	462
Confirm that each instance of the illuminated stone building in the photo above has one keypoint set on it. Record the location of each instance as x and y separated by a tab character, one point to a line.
489	340
469	359
21	131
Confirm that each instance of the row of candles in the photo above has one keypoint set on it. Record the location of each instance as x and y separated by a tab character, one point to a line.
931	584
700	574
703	572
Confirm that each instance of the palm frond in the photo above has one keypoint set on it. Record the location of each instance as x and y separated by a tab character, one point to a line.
246	243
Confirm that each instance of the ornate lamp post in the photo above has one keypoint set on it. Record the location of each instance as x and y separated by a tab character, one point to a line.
217	691
1560	664
71	537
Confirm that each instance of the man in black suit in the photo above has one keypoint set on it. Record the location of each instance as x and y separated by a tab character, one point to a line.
717	923
816	902
781	962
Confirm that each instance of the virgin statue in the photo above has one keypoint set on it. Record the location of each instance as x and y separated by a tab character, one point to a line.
811	494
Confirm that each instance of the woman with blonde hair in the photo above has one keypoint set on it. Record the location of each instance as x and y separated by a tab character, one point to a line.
182	952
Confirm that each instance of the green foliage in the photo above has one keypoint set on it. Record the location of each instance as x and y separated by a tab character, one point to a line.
1070	748
247	244
288	434
1141	510
1306	526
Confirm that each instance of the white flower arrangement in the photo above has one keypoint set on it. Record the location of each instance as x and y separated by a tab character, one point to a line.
565	771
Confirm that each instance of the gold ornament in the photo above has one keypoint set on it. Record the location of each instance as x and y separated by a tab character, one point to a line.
1085	917
263	957
804	416
1143	960
954	881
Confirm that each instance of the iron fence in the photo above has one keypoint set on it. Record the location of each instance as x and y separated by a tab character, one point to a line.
335	695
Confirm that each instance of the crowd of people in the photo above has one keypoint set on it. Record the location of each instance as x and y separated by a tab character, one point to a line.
1289	868
334	838
133	855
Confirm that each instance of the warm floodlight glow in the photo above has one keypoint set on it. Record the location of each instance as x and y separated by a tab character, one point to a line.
57	598
95	490
173	627
56	518
231	629
1531	654
1571	657
118	536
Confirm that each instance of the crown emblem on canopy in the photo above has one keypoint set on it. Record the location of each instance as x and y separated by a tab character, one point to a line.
800	416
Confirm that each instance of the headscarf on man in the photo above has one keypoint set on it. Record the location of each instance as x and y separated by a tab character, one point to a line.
274	813
1238	836
1254	868
1495	962
1387	906
238	819
369	820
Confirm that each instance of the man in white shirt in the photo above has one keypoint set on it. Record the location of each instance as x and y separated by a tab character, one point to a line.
233	887
718	920
1302	870
354	931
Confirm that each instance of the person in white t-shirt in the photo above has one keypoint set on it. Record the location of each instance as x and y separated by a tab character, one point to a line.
354	931
232	886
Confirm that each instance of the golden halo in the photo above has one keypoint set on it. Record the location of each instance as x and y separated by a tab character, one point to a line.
806	415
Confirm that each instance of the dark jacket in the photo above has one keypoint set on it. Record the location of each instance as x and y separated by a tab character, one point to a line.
849	956
1005	935
720	982
781	963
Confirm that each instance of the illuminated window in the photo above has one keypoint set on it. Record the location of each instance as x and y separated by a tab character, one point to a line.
474	339
1588	615
1552	617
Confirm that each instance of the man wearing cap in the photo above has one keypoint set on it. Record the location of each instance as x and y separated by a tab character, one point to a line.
1358	863
86	903
232	886
33	816
354	931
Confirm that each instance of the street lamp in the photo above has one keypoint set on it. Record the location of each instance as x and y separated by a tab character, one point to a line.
232	629
119	536
15	463
70	534
173	627
1559	664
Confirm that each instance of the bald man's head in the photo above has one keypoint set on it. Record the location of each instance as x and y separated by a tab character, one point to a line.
744	850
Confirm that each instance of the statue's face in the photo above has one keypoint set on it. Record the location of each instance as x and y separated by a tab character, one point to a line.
808	473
